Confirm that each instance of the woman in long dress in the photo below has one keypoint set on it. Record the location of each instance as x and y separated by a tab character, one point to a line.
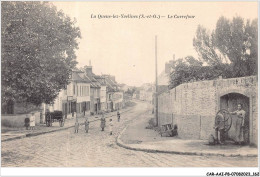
86	125
240	113
103	122
32	121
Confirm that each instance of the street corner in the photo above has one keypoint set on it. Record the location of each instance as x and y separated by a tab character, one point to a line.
136	136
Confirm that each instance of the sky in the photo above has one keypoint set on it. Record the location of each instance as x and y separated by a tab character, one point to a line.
125	47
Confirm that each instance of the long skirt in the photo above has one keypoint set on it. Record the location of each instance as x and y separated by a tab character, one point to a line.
239	131
32	124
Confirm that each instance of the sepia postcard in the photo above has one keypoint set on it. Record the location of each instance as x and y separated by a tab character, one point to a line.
130	84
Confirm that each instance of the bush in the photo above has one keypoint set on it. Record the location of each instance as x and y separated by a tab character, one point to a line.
151	124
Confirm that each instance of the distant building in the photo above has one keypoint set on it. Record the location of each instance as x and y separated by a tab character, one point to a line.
136	94
114	96
164	77
146	92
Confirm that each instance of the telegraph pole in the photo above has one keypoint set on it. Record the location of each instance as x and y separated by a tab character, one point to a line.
156	84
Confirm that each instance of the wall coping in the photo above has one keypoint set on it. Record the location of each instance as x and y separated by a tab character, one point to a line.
208	82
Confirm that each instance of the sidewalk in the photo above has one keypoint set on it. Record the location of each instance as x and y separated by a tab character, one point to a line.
136	137
13	134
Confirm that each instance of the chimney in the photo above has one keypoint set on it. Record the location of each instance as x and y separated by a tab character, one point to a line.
167	68
88	70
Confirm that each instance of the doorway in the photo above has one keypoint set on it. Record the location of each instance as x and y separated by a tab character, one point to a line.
230	102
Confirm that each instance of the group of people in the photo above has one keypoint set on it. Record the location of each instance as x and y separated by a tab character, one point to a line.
30	121
102	124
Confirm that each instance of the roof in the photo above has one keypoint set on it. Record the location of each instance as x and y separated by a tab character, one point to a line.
84	77
76	78
93	82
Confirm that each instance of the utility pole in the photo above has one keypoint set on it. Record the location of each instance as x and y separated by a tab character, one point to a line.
156	84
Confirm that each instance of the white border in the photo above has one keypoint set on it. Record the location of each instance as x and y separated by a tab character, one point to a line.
131	171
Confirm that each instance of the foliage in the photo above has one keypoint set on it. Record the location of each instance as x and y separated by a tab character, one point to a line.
238	42
130	91
228	51
190	70
38	51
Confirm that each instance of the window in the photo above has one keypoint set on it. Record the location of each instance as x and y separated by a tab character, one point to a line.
87	90
74	89
80	88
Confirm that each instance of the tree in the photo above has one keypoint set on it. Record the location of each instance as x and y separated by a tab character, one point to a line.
228	51
204	44
190	69
238	42
232	42
38	51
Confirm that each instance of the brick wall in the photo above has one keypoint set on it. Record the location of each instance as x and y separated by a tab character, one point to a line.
193	106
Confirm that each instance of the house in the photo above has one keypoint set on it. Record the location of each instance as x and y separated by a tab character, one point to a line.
136	94
75	97
115	97
146	92
103	92
163	78
95	87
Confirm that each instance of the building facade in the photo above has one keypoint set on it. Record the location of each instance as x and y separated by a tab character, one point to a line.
74	99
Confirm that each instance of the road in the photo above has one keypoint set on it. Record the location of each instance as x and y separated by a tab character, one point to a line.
99	149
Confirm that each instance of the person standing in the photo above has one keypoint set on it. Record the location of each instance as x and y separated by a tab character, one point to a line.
239	125
27	122
76	126
111	126
86	125
103	122
118	116
32	121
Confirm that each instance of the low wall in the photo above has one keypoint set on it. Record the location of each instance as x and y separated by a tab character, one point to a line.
193	106
17	120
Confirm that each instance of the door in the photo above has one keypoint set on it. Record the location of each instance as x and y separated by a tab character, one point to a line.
65	110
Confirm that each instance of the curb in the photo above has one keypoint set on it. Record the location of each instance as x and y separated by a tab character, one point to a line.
120	143
51	131
14	138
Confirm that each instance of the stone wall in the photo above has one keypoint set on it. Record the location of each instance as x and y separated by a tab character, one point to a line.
193	106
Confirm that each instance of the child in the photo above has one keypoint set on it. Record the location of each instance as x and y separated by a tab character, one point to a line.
111	127
32	121
118	116
27	122
103	122
86	125
76	126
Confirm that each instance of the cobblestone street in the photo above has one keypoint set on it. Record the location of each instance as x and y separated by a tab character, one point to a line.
99	149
